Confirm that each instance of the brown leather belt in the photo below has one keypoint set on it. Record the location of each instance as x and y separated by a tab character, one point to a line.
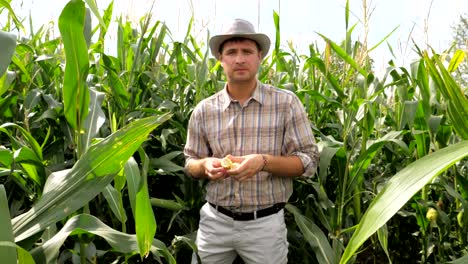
239	216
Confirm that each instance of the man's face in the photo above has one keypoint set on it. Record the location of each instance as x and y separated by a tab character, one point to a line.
240	60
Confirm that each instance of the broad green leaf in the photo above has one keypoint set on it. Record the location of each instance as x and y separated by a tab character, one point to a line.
30	164
6	157
26	155
408	114
83	223
462	260
132	174
145	223
424	87
24	257
452	92
8	44
458	58
75	92
95	118
382	234
326	155
54	180
314	236
88	177
114	201
6	233
399	190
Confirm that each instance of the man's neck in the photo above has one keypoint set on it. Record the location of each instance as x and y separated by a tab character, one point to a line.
241	91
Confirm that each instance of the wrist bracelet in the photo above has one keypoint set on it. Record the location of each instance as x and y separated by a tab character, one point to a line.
264	162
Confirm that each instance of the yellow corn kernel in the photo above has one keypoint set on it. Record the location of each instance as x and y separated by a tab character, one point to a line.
226	163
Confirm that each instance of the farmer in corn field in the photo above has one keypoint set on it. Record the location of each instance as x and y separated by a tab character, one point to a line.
249	140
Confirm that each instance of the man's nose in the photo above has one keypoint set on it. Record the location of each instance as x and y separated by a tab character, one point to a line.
240	58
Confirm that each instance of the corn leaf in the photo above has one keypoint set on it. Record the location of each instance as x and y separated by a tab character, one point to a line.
452	92
88	177
95	119
315	237
132	174
6	4
364	159
8	44
397	192
385	38
23	255
342	53
458	58
82	224
317	62
94	9
382	234
114	200
27	137
6	232
75	92
145	223
462	260
116	85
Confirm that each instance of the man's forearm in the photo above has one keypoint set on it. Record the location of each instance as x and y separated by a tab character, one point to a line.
285	166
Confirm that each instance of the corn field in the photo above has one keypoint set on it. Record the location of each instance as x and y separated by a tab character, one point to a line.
91	147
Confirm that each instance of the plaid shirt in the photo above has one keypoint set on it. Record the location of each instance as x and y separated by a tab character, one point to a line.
273	121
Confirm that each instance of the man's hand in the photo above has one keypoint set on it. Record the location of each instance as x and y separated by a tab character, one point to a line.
249	166
213	169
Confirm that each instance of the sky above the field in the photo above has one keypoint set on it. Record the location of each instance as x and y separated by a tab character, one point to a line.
422	21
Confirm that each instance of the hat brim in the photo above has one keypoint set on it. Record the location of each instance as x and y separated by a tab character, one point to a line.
262	40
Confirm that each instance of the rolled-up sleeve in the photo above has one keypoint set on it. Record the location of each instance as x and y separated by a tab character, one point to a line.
299	138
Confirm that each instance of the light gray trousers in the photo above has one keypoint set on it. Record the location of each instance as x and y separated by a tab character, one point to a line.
220	239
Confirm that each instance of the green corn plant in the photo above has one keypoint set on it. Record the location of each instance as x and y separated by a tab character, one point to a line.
5	4
65	191
457	104
400	189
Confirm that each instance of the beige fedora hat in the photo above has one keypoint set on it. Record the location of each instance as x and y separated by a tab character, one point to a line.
240	28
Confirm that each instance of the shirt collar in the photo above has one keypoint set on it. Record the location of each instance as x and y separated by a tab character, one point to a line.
258	95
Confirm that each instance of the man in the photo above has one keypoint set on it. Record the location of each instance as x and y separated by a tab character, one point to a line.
267	132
